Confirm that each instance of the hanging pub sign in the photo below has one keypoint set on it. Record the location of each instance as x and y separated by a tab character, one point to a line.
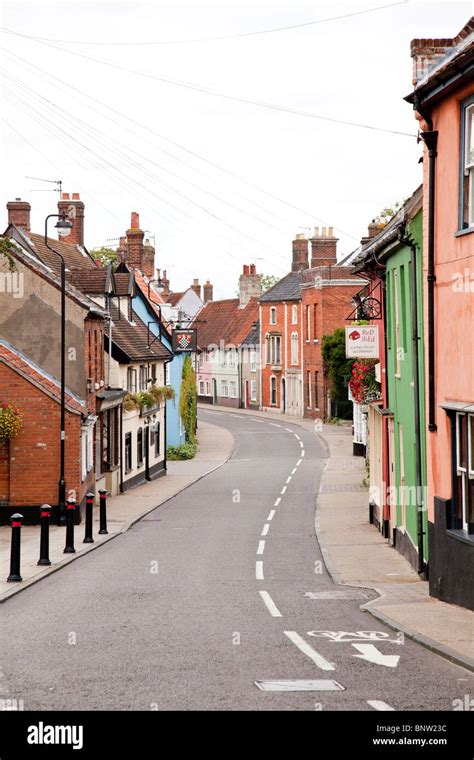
184	340
362	341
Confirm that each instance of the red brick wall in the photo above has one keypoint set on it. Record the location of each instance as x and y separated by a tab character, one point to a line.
34	453
285	332
94	363
333	305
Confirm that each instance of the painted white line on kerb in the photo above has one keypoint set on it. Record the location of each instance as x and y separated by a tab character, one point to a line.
377	704
293	470
271	515
261	547
289	430
265	529
277	502
304	647
297	436
259	571
288	479
298	462
274	424
283	490
270	604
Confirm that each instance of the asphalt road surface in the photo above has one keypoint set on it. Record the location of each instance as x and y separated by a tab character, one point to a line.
221	587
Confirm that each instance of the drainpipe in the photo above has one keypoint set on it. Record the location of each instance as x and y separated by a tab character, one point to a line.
165	443
121	488
406	240
431	140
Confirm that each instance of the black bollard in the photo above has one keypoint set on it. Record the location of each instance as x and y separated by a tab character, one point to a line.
103	511
44	537
70	513
89	507
16	521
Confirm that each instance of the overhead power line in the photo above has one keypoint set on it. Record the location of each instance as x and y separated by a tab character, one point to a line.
194	154
241	35
207	91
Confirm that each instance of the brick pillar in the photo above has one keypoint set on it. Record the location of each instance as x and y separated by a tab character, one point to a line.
19	214
73	207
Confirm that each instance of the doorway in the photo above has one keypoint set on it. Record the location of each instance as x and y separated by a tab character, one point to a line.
214	390
283	395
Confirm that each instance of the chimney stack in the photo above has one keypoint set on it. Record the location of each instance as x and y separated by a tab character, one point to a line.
148	259
73	208
207	290
372	231
166	283
323	247
134	252
300	253
249	284
196	287
19	214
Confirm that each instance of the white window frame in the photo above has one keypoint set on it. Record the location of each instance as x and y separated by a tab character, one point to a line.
253	360
273	380
308	322
208	388
232	389
131	380
294	348
274	350
224	389
273	315
468	160
201	388
253	390
294	315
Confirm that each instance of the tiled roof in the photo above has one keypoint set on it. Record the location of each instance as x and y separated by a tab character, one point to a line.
92	281
132	338
75	256
124	283
286	289
36	375
252	337
174	298
224	321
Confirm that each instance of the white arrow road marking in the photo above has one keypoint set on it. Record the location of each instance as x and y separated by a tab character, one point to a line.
270	604
271	514
370	653
309	651
299	685
259	571
377	704
261	547
265	529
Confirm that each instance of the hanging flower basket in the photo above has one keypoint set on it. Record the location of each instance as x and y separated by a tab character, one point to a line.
363	385
10	421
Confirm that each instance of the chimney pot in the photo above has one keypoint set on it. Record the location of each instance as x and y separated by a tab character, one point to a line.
135	221
65	196
323	247
76	197
331	232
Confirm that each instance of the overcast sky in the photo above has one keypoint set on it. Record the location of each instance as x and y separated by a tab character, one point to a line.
207	222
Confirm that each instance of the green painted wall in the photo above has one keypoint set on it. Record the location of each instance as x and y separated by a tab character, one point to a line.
400	369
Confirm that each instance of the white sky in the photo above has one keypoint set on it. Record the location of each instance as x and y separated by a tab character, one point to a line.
356	69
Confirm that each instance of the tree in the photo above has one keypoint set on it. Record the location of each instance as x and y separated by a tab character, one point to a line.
104	255
338	369
268	281
188	400
7	247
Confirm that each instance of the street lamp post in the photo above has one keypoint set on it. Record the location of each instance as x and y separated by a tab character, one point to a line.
64	227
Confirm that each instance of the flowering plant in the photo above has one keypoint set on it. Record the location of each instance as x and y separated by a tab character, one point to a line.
363	385
10	421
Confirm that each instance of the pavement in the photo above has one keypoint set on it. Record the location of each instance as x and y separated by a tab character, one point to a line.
219	599
356	554
214	448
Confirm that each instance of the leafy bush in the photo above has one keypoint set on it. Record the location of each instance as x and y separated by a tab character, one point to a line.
188	400
10	421
185	451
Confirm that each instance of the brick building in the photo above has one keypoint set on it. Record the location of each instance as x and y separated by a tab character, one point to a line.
327	289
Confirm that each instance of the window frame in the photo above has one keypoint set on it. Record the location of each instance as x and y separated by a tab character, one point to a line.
131	379
466	167
273	315
128	453
140	457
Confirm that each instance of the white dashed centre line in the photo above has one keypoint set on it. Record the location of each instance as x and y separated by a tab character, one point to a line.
289	430
377	704
271	515
270	604
288	479
259	571
304	647
283	490
293	470
298	462
277	502
261	547
297	436
265	529
302	452
274	424
301	444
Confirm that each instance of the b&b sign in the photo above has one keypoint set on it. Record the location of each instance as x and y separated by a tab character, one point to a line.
362	341
184	340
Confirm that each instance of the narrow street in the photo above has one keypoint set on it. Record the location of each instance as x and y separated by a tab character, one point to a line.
221	587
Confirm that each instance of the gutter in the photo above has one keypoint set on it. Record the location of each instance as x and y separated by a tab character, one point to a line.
431	140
